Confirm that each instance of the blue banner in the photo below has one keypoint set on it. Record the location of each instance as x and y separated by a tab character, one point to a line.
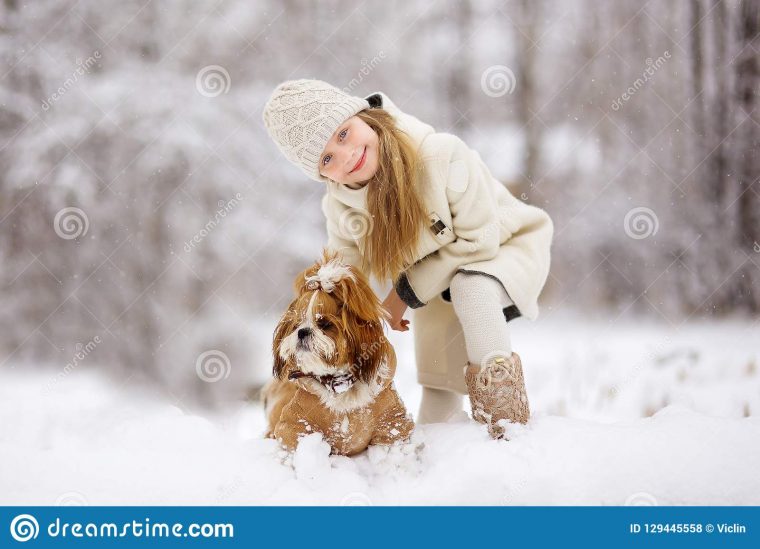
386	527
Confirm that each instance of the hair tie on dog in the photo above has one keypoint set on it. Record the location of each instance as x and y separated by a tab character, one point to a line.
312	283
328	276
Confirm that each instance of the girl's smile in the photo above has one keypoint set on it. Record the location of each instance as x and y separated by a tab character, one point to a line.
360	164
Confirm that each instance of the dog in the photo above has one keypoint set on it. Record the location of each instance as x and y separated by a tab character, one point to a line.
333	366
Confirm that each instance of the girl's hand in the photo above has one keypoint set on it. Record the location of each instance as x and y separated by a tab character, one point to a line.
396	309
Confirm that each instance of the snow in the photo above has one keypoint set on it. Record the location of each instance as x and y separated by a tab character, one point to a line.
624	412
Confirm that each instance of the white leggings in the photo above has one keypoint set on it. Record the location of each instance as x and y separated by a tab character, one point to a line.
478	302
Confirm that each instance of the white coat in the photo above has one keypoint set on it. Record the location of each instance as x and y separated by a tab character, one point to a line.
476	225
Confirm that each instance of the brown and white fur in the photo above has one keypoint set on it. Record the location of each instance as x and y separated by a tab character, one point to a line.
333	366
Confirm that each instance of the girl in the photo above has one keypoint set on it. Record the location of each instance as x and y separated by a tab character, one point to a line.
419	208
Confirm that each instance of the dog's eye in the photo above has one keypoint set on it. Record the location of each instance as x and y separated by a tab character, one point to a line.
324	324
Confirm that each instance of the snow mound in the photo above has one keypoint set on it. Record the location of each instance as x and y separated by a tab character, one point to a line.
90	442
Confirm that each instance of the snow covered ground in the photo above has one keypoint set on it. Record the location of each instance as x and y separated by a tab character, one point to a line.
624	412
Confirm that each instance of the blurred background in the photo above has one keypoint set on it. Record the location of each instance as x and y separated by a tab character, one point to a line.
150	230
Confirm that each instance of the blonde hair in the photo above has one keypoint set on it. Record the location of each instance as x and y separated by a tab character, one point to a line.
394	200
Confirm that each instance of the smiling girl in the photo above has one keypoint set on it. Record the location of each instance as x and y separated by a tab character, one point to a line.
417	207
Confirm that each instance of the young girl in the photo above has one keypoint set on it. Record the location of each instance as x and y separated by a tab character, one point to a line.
419	208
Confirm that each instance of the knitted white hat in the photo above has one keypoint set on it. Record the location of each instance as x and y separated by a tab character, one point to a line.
301	116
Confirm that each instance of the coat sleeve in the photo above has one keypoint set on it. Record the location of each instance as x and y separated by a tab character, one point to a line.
475	223
336	239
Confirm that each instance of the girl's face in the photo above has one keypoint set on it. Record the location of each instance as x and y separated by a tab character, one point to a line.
351	154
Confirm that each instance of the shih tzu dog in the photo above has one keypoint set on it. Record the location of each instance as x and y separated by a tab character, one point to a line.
333	366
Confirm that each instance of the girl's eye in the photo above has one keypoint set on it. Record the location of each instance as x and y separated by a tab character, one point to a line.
341	136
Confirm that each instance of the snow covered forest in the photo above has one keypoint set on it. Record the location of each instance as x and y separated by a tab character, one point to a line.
150	230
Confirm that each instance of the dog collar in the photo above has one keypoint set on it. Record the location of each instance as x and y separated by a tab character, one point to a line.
337	384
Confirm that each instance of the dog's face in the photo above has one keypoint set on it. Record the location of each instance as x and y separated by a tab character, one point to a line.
332	330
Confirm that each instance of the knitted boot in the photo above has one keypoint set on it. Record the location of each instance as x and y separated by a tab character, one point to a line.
497	391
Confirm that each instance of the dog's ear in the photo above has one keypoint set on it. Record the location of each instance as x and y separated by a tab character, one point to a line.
363	314
357	296
371	349
285	326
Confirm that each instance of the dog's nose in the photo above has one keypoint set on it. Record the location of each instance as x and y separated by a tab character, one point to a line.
303	333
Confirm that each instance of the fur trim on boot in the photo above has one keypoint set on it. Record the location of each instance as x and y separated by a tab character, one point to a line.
497	391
